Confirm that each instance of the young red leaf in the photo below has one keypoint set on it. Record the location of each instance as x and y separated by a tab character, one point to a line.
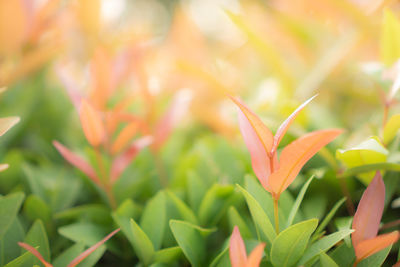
295	155
35	253
369	211
123	160
286	124
237	250
92	124
77	161
90	250
368	247
7	123
255	256
262	132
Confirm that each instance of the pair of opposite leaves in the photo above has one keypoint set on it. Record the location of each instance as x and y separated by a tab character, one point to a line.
365	240
276	175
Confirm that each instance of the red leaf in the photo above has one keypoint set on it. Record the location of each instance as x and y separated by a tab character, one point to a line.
286	124
368	247
295	155
77	161
237	250
255	256
35	253
70	86
369	211
90	250
123	160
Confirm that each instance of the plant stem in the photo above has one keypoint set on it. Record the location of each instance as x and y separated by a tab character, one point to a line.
162	173
276	215
106	180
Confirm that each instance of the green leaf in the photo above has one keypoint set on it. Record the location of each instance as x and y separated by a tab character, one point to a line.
328	218
344	223
298	201
9	248
129	209
141	243
326	261
261	220
387	166
88	233
343	255
9	206
93	258
35	208
323	245
68	255
291	243
377	259
37	237
214	204
191	239
196	190
168	255
186	213
22	260
95	213
222	259
390	38
370	151
236	220
153	220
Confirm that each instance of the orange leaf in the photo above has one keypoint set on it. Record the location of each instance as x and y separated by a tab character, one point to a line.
92	124
90	250
369	211
123	160
258	140
295	155
124	137
35	253
369	247
255	256
77	161
237	250
286	124
101	69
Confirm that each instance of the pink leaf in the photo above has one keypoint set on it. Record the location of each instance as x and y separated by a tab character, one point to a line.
369	211
77	161
260	161
237	250
35	253
123	160
286	124
90	250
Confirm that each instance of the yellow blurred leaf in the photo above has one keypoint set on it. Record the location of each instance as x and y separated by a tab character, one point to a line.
368	152
390	38
7	123
391	128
